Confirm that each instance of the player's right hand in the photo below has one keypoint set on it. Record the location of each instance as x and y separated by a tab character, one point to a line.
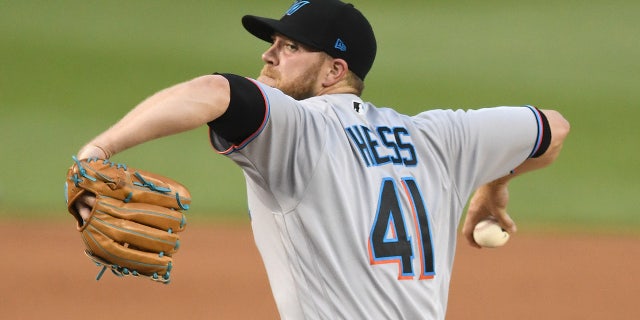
489	201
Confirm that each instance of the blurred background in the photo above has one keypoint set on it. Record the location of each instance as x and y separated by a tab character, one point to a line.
69	69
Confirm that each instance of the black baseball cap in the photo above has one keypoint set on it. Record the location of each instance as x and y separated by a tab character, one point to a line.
332	26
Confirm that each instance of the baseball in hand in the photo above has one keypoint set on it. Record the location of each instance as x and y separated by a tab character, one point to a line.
489	234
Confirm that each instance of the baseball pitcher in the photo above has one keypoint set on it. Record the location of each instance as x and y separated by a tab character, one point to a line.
354	208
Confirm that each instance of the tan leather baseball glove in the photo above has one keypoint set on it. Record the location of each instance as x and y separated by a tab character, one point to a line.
134	223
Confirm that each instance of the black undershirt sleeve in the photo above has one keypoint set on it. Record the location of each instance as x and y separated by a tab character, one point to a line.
546	136
245	113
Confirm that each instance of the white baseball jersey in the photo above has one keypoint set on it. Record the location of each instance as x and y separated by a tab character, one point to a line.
355	208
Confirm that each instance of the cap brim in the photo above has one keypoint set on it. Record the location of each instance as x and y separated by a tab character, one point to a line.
265	28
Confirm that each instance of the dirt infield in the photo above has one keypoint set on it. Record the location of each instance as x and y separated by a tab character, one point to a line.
218	275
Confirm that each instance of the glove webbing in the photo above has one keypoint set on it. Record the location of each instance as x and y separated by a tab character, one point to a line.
145	183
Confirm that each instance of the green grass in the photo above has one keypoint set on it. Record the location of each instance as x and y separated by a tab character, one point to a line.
71	68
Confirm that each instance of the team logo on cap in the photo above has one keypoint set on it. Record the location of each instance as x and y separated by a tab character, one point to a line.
296	6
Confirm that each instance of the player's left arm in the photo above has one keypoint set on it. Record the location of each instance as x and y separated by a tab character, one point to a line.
179	108
491	199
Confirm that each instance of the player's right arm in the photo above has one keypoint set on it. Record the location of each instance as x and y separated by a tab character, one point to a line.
559	130
492	198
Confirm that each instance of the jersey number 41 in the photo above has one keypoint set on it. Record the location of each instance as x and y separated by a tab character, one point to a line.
389	241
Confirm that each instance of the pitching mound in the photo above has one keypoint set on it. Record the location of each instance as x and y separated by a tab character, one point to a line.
218	275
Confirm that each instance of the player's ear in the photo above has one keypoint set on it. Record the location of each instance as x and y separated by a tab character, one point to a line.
338	70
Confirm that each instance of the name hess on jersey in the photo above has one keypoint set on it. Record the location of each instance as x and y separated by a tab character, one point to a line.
383	145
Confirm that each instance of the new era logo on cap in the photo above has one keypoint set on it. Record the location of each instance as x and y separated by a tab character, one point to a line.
340	45
296	6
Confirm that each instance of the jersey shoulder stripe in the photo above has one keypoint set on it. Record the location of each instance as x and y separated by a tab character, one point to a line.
543	140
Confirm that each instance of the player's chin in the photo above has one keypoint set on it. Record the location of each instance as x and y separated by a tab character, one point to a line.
271	82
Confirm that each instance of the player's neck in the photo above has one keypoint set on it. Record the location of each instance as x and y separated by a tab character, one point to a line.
339	88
